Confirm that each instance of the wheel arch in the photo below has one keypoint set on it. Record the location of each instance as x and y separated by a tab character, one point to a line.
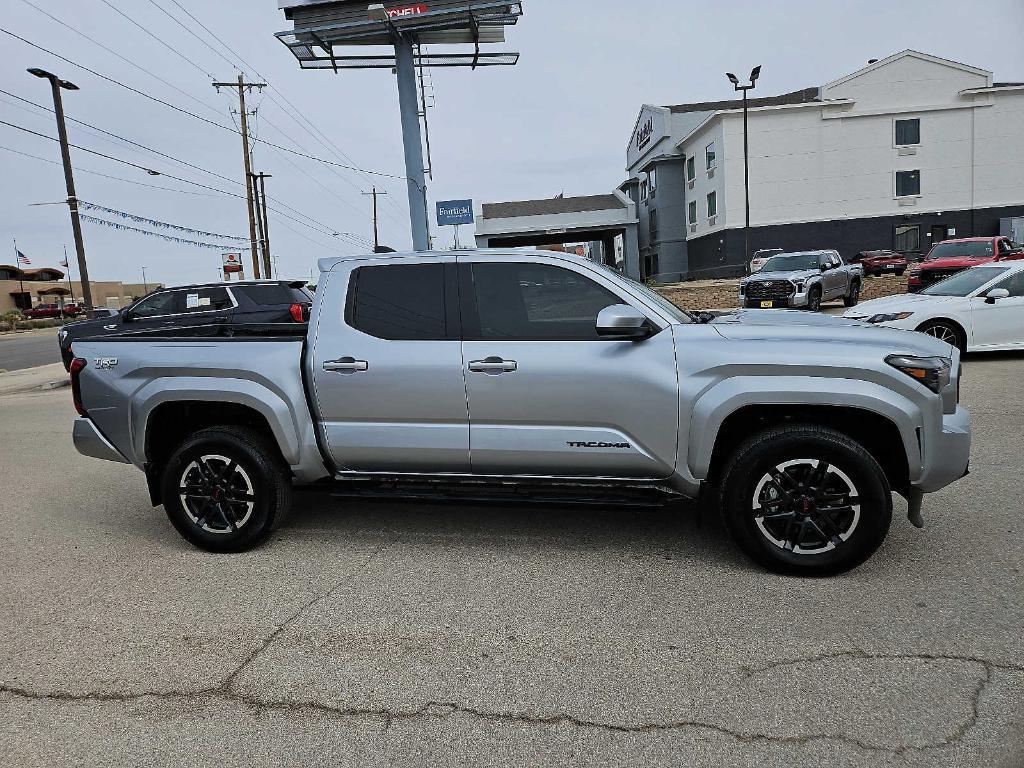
957	324
883	421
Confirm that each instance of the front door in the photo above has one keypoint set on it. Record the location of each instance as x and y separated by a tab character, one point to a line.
547	395
939	232
1000	323
387	370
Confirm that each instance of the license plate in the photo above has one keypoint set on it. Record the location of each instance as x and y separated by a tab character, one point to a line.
767	304
890	266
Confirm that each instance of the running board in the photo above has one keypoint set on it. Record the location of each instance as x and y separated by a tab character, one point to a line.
584	493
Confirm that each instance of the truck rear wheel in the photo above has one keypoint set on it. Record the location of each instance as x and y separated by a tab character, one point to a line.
805	500
225	489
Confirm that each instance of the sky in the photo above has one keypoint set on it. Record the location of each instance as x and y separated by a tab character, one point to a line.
559	122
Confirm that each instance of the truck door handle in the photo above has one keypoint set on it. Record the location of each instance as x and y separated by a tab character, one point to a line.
346	365
493	366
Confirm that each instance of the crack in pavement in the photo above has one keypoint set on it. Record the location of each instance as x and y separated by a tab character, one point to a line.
226	691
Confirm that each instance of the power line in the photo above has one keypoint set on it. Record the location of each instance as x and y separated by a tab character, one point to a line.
105	175
112	52
197	37
162	42
184	111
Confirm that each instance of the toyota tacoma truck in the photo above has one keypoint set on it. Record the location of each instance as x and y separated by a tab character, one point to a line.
802	279
530	375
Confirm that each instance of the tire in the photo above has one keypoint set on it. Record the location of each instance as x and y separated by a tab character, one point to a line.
814	299
827	541
946	331
253	498
851	299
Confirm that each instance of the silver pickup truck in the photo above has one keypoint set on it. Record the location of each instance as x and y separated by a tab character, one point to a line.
802	279
529	375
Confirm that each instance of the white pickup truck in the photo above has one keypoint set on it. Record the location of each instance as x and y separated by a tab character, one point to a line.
537	376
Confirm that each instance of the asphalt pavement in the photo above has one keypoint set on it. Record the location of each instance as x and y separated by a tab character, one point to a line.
412	634
28	349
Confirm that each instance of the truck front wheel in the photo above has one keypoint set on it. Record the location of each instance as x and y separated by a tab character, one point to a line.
805	500
225	489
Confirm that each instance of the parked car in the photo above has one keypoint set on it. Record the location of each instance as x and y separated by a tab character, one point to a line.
878	263
212	309
51	310
802	279
760	257
950	256
569	381
977	309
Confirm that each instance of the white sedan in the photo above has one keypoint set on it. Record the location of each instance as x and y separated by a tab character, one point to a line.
977	310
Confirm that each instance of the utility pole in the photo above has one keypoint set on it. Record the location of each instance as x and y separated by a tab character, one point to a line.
263	223
56	84
376	233
241	85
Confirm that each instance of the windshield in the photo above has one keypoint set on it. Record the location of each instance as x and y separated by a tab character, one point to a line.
974	249
791	262
653	296
964	283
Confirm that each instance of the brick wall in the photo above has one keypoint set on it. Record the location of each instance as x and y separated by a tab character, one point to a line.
722	294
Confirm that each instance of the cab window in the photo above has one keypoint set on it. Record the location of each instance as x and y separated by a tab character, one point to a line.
532	302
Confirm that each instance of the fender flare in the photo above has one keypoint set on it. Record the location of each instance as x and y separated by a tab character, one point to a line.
251	394
718	402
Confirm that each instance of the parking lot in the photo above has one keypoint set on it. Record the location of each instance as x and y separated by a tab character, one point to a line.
379	633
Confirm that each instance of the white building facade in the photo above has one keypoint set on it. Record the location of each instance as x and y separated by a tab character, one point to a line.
909	150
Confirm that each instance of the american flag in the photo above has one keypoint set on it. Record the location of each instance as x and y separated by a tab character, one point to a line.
23	259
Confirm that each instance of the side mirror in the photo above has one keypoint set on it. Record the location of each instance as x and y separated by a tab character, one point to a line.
825	267
623	322
126	316
995	294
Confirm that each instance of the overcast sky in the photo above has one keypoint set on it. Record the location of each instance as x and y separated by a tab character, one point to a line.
560	121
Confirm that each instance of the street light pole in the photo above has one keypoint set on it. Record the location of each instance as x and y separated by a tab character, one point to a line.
145	285
56	84
754	74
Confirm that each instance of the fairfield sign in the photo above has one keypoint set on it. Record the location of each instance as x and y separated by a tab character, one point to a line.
407	10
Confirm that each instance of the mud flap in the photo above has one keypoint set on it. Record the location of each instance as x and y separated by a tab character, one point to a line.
915	499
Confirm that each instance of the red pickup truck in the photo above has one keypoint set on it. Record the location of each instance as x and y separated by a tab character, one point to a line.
952	256
51	310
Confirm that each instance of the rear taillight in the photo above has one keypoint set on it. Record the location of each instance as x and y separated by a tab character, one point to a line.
76	388
299	312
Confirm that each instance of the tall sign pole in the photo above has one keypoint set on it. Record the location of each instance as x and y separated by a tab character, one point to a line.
241	85
376	232
408	103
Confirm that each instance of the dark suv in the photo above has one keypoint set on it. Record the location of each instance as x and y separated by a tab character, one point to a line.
214	309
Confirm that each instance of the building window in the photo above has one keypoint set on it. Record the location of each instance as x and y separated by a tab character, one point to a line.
709	155
691	168
908	183
693	211
652	223
652	181
908	132
643	190
907	239
712	204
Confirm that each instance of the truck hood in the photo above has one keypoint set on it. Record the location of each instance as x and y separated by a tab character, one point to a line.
792	327
949	262
801	274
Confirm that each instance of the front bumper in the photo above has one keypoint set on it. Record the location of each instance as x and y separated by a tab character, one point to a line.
90	442
793	300
947	453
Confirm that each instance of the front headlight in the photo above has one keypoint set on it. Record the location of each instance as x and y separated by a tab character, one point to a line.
890	317
933	372
915	272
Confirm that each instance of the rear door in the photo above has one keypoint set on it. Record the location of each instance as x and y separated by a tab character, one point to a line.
547	395
387	369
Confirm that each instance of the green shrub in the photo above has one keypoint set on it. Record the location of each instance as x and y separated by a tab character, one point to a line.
10	319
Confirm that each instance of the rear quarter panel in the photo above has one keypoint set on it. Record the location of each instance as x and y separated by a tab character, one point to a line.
125	381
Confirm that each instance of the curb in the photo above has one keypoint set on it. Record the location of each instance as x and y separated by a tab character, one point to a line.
60	383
